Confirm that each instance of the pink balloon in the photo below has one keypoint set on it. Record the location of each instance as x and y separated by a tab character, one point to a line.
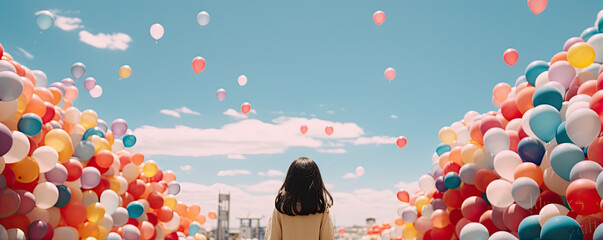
390	73
401	141
221	94
537	6
28	201
119	127
10	202
501	91
489	122
510	56
571	42
198	64
245	108
562	72
379	17
89	83
329	130
303	129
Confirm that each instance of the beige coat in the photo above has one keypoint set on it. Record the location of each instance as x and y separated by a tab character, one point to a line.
310	227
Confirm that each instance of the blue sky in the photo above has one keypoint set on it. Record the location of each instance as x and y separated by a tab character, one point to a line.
304	60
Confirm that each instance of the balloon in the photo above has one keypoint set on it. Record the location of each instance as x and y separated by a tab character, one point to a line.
329	130
442	148
78	69
426	183
110	201
409	214
544	121
30	124
57	175
583	126
473	207
26	204
359	171
156	31
89	83
10	202
474	231
46	195
401	141
203	18
11	86
529	228
64	196
303	129
585	170
561	227
390	73
581	55
119	127
452	180
198	64
150	168
245	108
131	232
379	17
510	56
120	216
547	95
96	92
534	69
562	72
496	140
447	135
129	140
135	209
467	173
84	150
596	41
563	158
44	19
8	109
90	177
221	94
551	210
525	192
499	193
531	150
403	195
582	197
37	230
27	170
505	164
489	122
124	72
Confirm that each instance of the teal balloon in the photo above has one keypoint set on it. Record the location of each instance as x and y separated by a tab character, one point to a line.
84	150
598	234
589	32
529	228
561	135
600	24
193	229
30	124
93	131
561	228
44	19
129	140
544	121
547	95
441	149
135	209
534	69
452	180
563	158
64	196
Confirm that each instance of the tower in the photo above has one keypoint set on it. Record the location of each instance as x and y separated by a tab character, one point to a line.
223	216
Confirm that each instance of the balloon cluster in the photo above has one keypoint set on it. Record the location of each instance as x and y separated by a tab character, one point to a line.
66	174
531	170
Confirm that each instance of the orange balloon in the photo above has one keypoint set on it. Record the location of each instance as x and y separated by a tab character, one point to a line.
444	158
68	104
589	88
71	93
29	75
476	134
27	170
76	194
440	218
531	170
524	99
562	56
194	210
28	89
36	106
455	155
44	94
104	158
399	222
169	176
88	229
165	214
201	219
56	95
18	67
109	136
147	230
212	215
521	87
137	158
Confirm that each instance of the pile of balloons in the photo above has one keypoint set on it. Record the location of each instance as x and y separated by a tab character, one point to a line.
67	174
530	170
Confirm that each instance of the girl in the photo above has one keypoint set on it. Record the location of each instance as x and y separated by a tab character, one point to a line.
302	205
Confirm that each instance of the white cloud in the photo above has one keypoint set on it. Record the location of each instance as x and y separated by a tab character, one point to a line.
235	172
375	140
268	186
186	168
349	208
170	113
349	176
272	173
67	23
111	41
393	116
411	187
332	150
336	144
26	53
186	110
235	156
233	113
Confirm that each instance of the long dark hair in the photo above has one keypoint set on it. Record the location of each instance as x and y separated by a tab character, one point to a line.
303	191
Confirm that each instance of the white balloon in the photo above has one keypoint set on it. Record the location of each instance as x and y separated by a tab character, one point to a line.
72	115
157	31
474	231
203	18
496	140
585	170
525	123
46	195
359	171
96	92
596	41
120	216
483	159
498	193
15	234
551	210
8	109
7	66
579	98
583	126
426	183
41	79
525	192
542	79
558	86
505	164
502	235
19	149
66	233
3	232
46	157
110	200
242	80
514	125
173	223
575	106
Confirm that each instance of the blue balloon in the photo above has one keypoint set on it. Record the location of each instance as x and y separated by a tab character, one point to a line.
135	209
93	131
547	95
561	228
598	234
534	69
563	158
529	228
531	150
589	32
30	124
544	121
600	24
129	140
84	150
193	228
44	19
441	149
561	135
64	196
440	185
452	180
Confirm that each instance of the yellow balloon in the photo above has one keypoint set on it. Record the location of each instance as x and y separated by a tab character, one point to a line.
88	229
581	55
88	119
409	232
103	232
447	135
469	151
125	71
58	139
113	183
95	212
99	143
420	202
21	103
150	168
170	201
26	170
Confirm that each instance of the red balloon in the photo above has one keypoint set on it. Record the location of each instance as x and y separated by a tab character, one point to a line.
93	163
1	51
198	64
74	169
588	225
172	236
303	129
49	115
155	200
102	186
453	198
158	176
600	80
489	122
595	151
460	224
30	186
483	177
133	221
127	198
573	89
510	56
513	216
442	233
136	188
455	216
329	130
73	213
401	141
468	190
451	167
16	221
475	133
473	208
486	220
497	218
582	197
509	109
49	233
9	177
32	145
403	195
245	108
514	139
545	198
152	218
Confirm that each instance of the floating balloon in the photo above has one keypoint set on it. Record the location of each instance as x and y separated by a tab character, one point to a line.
390	73
221	94
359	171
329	130
379	17
203	18
531	150
78	69
401	141
89	83
245	108
525	192
537	6
124	72
156	31
510	56
96	92
403	195
198	64
303	129
242	80
44	19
